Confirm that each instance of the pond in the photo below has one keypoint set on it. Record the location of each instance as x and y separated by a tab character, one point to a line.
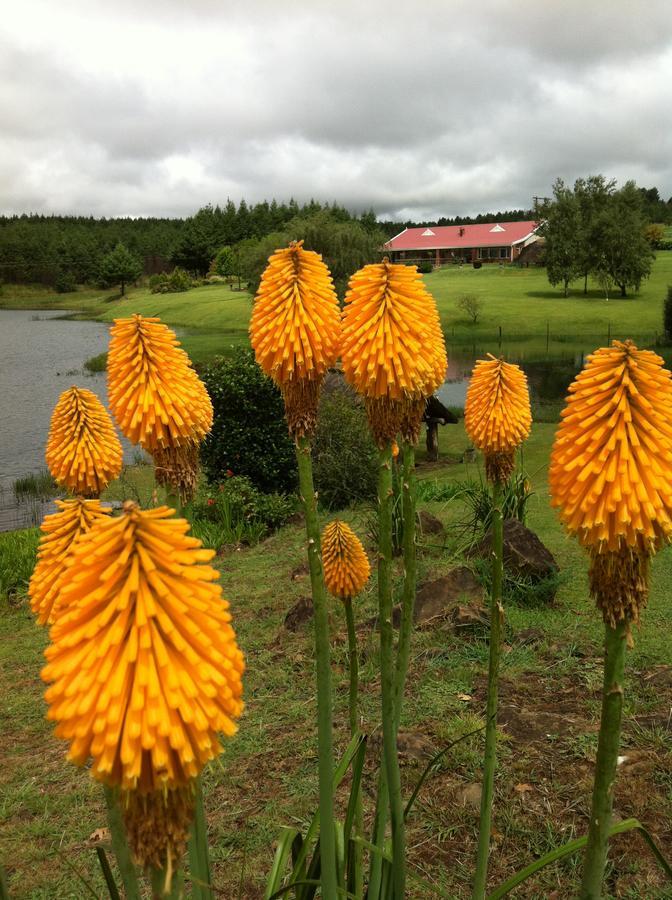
41	354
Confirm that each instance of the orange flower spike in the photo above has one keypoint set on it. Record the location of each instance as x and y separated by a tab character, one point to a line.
295	330
497	415
346	565
144	669
60	531
83	451
295	324
155	395
393	349
611	459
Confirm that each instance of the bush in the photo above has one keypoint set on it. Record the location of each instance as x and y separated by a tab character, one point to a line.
425	267
176	283
477	264
237	512
345	460
667	313
65	283
249	433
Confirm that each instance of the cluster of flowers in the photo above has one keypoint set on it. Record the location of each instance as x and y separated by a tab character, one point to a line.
143	664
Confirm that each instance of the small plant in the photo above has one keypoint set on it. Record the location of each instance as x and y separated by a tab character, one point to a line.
471	306
425	267
40	486
96	363
243	512
176	282
65	283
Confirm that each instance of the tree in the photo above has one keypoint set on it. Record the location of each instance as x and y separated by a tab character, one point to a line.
120	267
627	254
224	263
562	230
667	313
593	195
471	305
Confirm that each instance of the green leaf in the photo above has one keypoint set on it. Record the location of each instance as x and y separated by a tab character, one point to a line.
572	847
199	858
107	874
282	854
4	890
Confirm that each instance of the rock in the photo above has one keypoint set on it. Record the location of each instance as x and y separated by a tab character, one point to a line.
470	618
470	795
300	572
299	614
524	555
429	524
529	636
439	597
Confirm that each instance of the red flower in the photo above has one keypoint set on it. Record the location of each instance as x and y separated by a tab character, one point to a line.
211	502
229	473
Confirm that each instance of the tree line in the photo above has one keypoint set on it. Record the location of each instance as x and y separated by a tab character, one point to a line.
600	230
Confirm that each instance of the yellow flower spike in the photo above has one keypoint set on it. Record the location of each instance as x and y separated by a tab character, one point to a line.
158	399
393	349
497	414
346	565
610	471
295	330
83	451
60	530
144	668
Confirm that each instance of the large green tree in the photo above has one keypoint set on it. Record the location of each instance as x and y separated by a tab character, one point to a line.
562	231
626	254
593	195
121	267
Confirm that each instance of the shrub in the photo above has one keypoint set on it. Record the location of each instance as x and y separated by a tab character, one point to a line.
249	433
345	460
667	313
96	363
176	282
477	264
237	512
471	306
425	267
65	283
478	499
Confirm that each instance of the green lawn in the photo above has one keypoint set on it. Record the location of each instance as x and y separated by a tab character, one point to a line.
551	680
535	319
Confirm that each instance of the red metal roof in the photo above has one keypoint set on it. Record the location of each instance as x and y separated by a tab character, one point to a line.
448	237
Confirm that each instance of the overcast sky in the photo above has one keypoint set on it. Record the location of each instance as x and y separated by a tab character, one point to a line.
418	108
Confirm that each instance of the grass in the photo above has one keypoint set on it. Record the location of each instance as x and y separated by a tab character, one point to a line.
17	558
267	777
39	485
96	363
536	321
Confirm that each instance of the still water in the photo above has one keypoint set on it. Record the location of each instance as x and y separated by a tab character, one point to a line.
41	354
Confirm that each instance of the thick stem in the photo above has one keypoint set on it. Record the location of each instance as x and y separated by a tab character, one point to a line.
408	596
115	821
490	758
323	670
615	643
387	670
353	665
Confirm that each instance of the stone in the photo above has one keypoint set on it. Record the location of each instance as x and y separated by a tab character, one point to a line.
438	598
429	524
299	614
470	795
524	554
470	618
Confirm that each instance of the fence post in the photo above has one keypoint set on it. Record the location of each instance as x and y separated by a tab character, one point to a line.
500	337
608	333
548	334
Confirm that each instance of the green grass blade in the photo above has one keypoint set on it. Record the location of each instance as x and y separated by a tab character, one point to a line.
431	766
107	874
282	854
374	848
357	768
87	884
341	892
573	847
339	836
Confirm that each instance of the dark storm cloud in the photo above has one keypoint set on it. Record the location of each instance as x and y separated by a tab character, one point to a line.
448	108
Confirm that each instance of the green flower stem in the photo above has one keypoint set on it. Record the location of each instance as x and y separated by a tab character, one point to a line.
490	759
127	870
199	857
615	642
387	671
353	665
408	597
323	667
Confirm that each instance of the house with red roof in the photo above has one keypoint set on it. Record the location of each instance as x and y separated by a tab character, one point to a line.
487	242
